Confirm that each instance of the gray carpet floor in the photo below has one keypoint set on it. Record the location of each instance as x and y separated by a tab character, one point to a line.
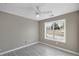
38	50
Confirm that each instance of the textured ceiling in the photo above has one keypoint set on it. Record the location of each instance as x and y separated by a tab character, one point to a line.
27	9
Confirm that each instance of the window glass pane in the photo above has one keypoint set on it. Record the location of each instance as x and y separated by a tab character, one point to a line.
59	30
49	30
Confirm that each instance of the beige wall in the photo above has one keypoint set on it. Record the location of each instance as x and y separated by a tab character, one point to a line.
72	39
15	30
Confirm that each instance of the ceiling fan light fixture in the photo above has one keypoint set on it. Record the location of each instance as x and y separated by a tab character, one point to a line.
37	15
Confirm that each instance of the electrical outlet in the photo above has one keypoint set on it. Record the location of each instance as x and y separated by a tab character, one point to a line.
25	42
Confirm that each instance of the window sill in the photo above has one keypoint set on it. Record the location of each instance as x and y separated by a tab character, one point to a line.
61	41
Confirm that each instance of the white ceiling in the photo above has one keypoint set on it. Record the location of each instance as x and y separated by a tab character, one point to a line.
27	9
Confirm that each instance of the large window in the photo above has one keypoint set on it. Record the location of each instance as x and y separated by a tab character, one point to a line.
55	30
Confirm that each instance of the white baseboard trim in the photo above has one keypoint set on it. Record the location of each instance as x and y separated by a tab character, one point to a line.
18	48
60	48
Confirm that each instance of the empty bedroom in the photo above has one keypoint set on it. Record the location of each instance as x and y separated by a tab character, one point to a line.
39	29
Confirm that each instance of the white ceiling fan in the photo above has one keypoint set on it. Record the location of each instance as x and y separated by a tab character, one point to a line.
38	12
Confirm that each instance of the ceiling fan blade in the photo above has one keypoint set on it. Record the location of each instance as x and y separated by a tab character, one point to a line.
36	12
37	9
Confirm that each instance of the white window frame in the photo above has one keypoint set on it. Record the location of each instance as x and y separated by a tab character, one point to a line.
64	40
